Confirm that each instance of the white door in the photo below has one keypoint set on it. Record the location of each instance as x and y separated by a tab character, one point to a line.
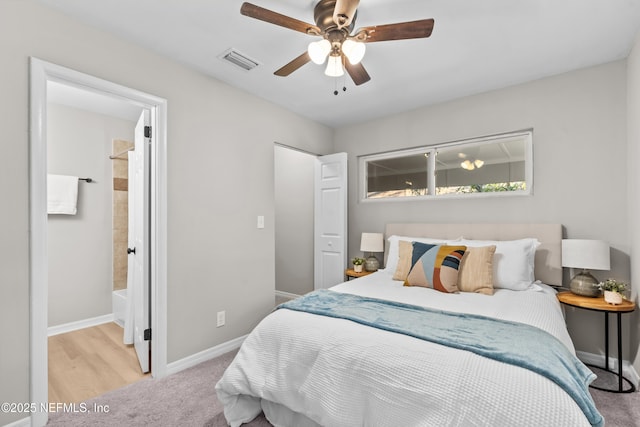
138	241
330	235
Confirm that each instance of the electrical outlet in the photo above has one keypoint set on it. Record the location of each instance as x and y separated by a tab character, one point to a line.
221	319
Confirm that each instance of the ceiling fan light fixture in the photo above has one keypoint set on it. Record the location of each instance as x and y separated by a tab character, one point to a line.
334	66
319	50
353	50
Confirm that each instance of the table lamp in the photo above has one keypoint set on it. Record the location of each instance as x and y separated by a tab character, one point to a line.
585	254
372	242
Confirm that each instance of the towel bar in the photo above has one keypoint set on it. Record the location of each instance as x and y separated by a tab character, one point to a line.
86	179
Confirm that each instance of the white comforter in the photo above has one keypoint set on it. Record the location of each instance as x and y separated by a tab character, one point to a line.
307	370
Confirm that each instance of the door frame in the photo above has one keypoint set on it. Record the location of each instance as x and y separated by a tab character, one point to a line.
40	73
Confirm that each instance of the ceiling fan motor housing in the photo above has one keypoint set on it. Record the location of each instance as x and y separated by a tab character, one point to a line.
323	16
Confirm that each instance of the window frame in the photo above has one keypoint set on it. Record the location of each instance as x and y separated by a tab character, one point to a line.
432	150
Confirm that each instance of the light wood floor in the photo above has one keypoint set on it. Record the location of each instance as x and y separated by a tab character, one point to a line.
89	362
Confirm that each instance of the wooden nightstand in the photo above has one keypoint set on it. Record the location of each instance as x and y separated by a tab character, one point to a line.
599	304
351	274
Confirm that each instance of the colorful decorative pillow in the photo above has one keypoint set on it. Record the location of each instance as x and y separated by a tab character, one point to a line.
405	250
435	266
476	270
393	257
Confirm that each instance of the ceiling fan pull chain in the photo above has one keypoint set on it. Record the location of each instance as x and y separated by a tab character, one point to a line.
344	86
344	81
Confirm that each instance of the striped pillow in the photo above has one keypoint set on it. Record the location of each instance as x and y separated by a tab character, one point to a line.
435	266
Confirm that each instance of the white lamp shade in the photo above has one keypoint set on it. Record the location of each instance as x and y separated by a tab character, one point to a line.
334	66
319	50
354	51
589	254
372	242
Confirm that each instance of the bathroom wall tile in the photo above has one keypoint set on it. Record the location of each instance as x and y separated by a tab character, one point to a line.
120	212
120	184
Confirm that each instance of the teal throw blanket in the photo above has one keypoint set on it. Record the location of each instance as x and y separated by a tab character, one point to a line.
509	342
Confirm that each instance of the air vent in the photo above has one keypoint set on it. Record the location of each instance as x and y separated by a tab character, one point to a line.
239	59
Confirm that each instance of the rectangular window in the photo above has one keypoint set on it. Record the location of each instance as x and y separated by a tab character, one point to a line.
494	165
405	175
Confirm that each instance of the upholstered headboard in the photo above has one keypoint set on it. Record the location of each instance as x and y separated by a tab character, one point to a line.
548	264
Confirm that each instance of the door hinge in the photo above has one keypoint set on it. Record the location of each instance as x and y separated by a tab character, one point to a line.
147	131
147	334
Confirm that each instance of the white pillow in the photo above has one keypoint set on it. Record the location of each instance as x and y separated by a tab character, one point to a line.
394	248
513	261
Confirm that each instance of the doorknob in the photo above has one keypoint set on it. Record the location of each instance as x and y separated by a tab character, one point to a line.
131	251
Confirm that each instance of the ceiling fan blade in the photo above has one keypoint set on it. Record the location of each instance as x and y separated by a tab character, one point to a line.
293	65
357	72
344	12
266	15
401	31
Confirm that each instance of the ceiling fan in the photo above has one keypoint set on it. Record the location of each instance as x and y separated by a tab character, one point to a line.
334	22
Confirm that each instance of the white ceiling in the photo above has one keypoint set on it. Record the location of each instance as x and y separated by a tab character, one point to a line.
476	46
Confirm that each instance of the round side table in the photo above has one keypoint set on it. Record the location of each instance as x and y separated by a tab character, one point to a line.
599	304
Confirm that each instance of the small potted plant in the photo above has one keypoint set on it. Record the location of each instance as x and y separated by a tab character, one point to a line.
612	290
357	264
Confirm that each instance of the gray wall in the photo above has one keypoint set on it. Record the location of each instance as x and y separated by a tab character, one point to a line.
633	139
80	246
294	192
580	156
220	177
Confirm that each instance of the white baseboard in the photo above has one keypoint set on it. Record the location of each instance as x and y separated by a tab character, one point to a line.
598	360
203	356
287	295
80	324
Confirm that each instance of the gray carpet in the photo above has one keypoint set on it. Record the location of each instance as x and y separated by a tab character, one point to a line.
188	398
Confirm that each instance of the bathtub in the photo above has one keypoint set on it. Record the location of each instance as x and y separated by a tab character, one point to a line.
119	305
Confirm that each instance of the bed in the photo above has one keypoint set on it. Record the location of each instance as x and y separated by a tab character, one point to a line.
389	350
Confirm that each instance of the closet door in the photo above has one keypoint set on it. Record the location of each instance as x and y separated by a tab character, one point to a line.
330	236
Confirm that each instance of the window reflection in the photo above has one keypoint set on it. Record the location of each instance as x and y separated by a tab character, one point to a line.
404	176
488	167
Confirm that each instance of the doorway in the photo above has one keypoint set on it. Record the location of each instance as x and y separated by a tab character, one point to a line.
310	220
41	74
87	243
294	193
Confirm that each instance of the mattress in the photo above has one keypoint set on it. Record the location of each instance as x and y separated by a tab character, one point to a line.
303	369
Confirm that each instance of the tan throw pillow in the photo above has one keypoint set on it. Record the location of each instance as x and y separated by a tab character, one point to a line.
405	250
476	270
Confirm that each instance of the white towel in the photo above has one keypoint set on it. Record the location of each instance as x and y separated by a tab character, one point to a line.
62	194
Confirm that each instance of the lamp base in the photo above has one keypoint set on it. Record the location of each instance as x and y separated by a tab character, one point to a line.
584	284
371	264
